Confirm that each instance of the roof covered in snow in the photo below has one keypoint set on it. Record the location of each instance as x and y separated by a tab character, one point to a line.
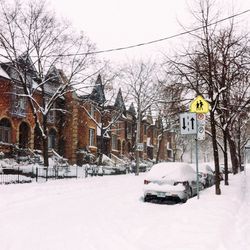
3	73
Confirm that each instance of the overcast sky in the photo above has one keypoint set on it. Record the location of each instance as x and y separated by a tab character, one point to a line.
118	23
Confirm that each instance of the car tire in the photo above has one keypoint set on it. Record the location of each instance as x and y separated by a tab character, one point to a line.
146	199
190	194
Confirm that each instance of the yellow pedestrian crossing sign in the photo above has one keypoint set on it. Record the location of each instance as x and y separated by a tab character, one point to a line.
199	105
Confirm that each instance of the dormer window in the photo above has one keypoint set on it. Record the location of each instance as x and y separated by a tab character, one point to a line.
92	110
52	114
51	118
18	103
145	129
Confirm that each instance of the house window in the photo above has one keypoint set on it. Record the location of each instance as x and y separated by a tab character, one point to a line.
114	142
129	131
91	137
92	111
52	139
19	106
145	129
5	130
52	114
118	128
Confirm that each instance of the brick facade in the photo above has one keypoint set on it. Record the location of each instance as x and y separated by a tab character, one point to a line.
74	132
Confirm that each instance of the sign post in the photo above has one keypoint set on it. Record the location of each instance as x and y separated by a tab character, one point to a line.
247	148
199	106
201	121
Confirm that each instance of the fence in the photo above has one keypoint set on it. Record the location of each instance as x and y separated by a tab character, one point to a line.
39	174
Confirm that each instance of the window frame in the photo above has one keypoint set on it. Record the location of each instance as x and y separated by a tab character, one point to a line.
91	137
5	131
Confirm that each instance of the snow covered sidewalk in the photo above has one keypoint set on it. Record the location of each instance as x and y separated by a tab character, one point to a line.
238	236
107	213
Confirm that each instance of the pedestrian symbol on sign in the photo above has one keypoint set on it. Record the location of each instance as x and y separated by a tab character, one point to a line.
199	105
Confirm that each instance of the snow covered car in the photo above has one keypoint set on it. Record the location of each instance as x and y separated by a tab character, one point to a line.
206	175
170	181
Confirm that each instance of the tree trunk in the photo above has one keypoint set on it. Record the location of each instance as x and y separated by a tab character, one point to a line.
45	143
225	156
138	136
216	154
233	152
159	147
101	147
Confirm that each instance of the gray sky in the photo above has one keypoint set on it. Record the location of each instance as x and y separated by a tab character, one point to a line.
118	23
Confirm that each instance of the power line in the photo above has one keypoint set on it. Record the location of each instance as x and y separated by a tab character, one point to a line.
160	39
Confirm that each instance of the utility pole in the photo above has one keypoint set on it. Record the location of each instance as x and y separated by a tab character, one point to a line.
138	131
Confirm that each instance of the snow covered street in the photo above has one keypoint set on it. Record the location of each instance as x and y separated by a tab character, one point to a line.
108	213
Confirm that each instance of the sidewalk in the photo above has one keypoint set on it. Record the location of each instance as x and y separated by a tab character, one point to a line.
239	234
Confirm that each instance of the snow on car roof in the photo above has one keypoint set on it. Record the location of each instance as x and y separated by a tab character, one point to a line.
177	171
205	168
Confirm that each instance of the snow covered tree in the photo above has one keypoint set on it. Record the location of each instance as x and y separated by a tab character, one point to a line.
168	115
215	66
143	88
46	57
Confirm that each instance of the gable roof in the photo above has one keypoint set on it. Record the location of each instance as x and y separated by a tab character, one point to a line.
97	95
132	109
4	74
119	102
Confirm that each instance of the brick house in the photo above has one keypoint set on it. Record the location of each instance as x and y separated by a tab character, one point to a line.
76	131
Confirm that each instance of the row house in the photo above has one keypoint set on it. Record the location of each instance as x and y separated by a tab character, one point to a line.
88	124
17	125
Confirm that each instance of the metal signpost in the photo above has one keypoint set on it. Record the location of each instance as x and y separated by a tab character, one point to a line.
247	148
193	122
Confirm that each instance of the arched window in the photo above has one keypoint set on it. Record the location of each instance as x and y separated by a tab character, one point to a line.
24	132
52	138
5	130
37	138
129	147
123	148
119	146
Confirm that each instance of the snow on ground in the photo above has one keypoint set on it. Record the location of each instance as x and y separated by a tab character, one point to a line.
107	213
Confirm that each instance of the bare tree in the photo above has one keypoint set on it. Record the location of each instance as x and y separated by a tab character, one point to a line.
214	67
168	116
195	67
108	102
34	44
141	83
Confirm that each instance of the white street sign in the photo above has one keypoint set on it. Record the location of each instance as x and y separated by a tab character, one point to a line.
188	123
139	147
201	132
201	121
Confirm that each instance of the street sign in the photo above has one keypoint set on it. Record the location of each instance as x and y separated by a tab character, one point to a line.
199	105
201	118
188	123
201	121
139	147
201	132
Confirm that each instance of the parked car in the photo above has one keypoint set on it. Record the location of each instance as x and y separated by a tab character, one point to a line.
144	166
230	168
211	164
206	175
170	180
